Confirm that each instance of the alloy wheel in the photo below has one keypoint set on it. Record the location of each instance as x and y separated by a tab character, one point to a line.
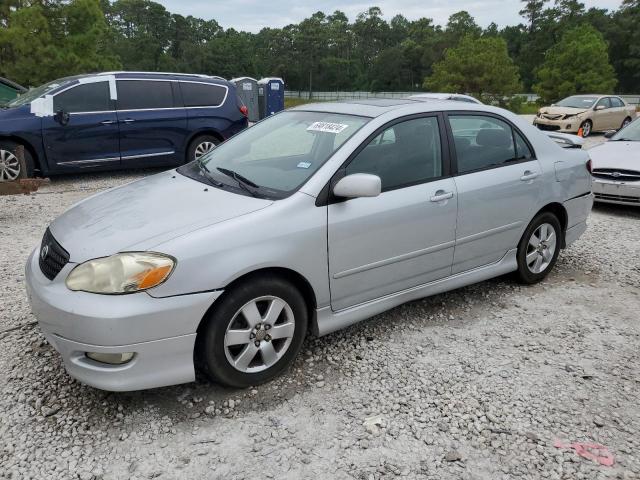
586	129
203	148
541	248
259	334
9	166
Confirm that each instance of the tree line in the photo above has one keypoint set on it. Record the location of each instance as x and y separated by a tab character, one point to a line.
558	49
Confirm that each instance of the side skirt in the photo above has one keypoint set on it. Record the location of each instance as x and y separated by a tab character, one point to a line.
328	321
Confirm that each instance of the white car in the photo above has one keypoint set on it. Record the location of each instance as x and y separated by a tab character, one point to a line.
458	97
616	167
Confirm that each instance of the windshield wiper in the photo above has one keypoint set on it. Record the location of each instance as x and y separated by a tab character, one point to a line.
207	174
243	182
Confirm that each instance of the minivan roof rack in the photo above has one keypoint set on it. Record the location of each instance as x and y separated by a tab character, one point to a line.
200	75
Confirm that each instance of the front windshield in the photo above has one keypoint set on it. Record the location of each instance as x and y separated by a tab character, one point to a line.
631	132
37	92
577	102
280	154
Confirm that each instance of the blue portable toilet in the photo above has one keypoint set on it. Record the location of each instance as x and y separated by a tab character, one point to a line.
271	96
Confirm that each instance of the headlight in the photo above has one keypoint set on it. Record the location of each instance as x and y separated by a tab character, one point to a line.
121	273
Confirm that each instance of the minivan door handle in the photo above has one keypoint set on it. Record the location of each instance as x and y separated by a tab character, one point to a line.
129	120
107	122
529	175
441	195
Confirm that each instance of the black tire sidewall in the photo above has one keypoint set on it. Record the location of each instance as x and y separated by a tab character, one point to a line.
525	275
211	348
26	168
624	121
191	151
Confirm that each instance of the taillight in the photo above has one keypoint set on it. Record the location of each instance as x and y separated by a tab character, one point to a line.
244	110
590	166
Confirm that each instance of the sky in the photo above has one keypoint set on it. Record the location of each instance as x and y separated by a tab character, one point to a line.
252	15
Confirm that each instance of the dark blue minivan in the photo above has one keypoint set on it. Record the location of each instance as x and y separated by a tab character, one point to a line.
117	120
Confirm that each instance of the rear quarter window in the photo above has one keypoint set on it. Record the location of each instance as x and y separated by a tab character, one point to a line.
202	94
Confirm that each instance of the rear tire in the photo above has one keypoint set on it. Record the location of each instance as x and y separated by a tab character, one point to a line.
625	122
254	332
200	146
587	128
11	168
539	248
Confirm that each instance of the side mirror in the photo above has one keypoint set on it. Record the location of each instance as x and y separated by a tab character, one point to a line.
62	117
610	133
358	185
600	107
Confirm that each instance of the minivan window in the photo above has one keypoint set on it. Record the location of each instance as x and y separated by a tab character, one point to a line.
144	95
406	153
282	152
482	142
202	94
85	97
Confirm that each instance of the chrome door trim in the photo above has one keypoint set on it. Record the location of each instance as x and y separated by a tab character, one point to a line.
95	160
399	258
145	155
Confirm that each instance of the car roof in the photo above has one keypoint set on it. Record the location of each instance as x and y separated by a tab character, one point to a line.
376	107
161	75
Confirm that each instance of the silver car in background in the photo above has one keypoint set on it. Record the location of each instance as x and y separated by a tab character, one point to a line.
312	220
616	167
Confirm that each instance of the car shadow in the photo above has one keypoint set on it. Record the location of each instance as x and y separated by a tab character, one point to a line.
622	211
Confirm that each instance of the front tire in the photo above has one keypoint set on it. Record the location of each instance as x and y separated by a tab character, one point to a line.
11	168
539	248
200	146
254	333
587	128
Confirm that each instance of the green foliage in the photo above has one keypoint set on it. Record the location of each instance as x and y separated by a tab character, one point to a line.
578	64
479	66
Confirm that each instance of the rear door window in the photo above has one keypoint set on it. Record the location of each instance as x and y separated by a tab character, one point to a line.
144	95
87	97
202	94
616	102
483	142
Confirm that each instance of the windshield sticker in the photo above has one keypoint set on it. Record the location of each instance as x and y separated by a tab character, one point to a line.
326	127
304	164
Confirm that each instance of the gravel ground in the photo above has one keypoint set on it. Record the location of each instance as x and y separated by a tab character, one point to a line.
473	384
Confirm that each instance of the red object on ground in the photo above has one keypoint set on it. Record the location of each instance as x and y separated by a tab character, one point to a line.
591	451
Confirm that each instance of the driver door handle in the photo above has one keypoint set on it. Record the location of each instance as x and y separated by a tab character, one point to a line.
441	195
529	175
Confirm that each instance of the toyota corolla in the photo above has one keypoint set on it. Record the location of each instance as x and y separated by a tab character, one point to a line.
312	220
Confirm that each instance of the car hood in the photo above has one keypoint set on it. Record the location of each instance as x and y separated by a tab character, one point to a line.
562	110
145	213
622	155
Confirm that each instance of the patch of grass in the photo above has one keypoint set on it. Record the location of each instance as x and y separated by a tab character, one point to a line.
294	102
529	109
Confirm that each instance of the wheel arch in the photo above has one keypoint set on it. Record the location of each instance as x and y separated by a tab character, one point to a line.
28	146
200	133
561	213
297	279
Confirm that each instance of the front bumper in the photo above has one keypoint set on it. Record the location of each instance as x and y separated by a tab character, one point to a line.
619	193
160	331
569	125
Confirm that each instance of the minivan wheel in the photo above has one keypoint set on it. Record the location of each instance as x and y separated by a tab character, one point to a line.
254	333
201	146
11	168
539	248
586	127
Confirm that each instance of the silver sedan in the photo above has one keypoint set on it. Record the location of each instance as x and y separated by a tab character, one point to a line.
312	220
616	167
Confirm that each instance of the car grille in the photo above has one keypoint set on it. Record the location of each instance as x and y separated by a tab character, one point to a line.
613	174
617	198
552	117
53	257
548	127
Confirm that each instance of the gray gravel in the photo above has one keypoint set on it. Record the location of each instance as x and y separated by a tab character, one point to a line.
473	384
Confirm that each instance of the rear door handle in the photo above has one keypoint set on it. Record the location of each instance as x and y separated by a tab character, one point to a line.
529	175
441	195
107	122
